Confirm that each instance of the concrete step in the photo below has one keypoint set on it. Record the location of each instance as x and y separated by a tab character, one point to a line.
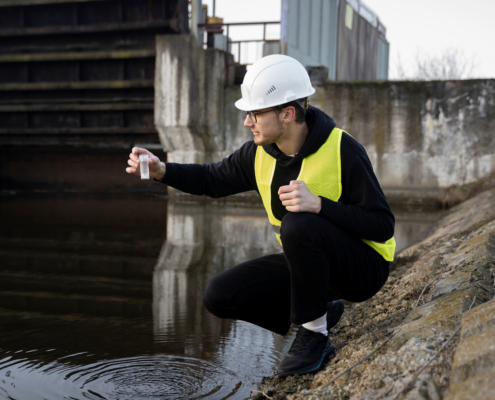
75	98
76	107
480	387
76	85
77	55
77	131
473	370
166	26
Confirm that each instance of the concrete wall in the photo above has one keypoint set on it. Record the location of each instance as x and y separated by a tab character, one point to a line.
420	136
192	105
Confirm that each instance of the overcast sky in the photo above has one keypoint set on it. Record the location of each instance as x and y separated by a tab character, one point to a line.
425	27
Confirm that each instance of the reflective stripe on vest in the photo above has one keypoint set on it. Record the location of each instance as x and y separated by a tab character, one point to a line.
321	171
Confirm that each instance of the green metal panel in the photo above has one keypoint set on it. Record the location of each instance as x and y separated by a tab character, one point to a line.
309	32
383	58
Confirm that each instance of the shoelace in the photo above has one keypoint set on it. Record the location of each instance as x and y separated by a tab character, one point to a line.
300	343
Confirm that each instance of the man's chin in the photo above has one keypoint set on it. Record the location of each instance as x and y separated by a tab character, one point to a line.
259	141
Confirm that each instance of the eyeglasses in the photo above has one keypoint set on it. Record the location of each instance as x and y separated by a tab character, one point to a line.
253	114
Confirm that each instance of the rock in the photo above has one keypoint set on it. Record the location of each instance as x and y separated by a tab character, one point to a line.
478	319
480	387
440	315
475	353
465	269
433	390
458	281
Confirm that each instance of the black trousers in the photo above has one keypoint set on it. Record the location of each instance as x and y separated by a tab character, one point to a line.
320	263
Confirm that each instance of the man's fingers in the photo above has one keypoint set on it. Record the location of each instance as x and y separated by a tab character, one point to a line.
288	188
137	151
132	163
297	182
292	202
290	195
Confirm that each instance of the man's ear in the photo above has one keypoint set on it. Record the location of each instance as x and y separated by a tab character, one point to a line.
289	114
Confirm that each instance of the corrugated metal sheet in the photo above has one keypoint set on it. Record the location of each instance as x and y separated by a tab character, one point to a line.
383	57
345	36
309	32
357	48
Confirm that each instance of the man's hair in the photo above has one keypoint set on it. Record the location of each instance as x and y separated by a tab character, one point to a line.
299	106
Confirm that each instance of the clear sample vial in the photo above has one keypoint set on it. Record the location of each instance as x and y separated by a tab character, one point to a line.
144	166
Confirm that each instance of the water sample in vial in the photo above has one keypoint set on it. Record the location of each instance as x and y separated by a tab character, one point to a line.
144	166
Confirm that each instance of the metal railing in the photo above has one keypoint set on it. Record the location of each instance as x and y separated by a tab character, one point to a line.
238	42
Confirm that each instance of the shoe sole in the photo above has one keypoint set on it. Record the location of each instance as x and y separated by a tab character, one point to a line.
329	352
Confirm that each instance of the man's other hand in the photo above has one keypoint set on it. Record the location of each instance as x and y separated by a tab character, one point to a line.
296	197
157	168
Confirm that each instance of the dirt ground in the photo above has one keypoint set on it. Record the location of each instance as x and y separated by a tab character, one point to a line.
418	310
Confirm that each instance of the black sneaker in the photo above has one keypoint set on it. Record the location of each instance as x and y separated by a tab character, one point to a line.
335	309
307	354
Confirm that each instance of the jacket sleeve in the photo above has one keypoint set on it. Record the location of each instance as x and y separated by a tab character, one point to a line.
234	174
362	210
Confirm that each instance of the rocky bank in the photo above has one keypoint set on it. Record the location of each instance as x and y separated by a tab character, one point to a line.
425	302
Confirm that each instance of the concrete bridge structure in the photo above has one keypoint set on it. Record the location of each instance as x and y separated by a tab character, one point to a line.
420	136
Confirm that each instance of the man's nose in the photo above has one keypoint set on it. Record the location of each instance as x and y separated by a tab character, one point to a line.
247	122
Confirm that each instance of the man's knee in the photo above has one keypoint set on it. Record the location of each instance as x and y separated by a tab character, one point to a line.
295	225
214	298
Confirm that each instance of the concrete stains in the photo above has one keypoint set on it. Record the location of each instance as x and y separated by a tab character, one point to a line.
427	135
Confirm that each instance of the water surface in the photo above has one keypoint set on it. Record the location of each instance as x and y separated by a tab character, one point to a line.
100	298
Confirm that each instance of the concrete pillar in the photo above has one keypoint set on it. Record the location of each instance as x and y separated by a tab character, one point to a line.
190	99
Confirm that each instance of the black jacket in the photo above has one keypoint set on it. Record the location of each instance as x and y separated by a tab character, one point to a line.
362	209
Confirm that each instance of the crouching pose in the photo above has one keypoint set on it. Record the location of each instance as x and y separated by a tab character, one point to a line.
323	201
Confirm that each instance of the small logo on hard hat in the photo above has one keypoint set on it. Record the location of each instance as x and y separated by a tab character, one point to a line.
271	90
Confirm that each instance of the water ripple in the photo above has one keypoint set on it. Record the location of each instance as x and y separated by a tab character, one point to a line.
143	377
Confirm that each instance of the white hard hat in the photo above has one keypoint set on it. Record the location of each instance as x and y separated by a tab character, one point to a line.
274	80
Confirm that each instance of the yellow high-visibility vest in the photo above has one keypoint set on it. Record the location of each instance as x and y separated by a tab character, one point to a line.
322	173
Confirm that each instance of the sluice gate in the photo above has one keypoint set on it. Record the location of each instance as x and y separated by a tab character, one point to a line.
76	81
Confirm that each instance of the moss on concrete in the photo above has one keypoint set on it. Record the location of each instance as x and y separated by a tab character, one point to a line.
455	255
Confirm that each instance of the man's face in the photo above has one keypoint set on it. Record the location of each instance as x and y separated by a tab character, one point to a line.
269	127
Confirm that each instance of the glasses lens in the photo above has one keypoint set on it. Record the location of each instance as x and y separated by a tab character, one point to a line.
252	117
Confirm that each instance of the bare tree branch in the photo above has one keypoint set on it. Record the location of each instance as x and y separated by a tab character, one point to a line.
450	64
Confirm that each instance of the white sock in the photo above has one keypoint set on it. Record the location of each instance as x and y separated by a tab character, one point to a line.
318	325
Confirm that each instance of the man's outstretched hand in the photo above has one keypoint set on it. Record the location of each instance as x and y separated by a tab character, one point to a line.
296	197
157	168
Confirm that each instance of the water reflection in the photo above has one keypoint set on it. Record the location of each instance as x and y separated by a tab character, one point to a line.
411	225
100	297
203	240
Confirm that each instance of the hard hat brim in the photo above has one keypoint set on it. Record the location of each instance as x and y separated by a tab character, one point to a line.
242	105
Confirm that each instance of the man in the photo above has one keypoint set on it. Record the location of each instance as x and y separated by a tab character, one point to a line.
325	205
